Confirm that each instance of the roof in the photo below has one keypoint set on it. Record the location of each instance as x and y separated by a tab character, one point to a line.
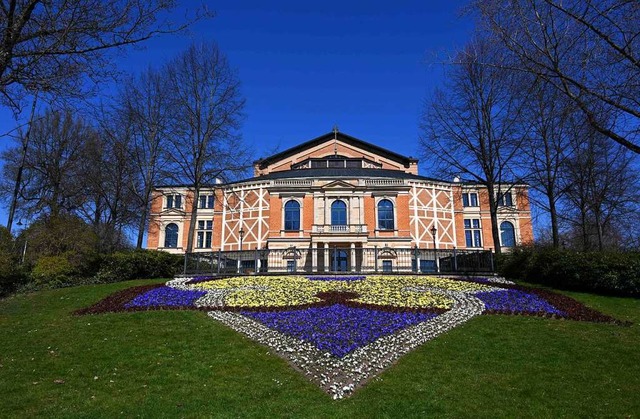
340	173
347	139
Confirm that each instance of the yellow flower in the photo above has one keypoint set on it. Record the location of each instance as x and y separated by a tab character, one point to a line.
284	291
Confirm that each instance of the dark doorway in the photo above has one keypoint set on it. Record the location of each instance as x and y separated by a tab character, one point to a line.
339	260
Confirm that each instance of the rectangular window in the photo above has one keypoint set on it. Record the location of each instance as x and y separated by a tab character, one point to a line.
174	201
387	266
205	233
352	164
470	199
206	201
318	164
505	199
291	266
336	163
472	233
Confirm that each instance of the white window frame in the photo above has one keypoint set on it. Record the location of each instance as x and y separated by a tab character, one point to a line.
347	203
203	234
516	230
208	197
300	202
468	195
395	212
501	201
162	237
173	201
472	229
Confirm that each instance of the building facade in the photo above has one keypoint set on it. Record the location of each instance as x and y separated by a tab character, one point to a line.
336	198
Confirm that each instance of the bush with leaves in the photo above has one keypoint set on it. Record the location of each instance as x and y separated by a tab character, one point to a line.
11	274
138	264
54	271
64	235
613	273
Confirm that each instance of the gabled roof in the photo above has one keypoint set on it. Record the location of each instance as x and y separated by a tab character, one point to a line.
347	139
340	173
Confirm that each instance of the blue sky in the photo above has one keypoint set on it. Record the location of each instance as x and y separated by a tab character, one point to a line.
365	66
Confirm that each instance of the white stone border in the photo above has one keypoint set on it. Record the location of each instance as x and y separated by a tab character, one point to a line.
341	376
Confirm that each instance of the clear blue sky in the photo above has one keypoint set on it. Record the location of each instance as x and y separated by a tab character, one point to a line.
363	65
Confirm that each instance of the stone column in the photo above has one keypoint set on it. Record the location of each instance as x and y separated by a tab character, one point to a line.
326	257
314	257
353	257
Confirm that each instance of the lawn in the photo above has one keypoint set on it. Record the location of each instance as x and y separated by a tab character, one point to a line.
182	363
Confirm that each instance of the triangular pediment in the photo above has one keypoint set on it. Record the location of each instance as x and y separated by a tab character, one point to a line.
332	142
338	184
169	211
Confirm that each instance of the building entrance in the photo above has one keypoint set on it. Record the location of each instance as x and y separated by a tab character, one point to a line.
339	260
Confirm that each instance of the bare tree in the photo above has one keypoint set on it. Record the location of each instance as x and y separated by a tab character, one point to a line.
545	152
587	49
47	46
142	112
471	126
602	199
110	205
54	167
206	114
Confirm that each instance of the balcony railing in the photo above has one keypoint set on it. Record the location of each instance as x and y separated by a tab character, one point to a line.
339	229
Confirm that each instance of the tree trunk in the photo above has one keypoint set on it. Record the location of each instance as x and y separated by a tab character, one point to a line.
141	227
554	220
144	212
25	148
194	217
493	211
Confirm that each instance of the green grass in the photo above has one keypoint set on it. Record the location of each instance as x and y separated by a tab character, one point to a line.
181	363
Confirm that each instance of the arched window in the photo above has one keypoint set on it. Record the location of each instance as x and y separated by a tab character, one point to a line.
507	234
385	215
171	235
338	213
292	215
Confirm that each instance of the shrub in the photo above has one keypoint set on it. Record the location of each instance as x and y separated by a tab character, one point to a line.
138	264
11	274
613	273
62	235
53	271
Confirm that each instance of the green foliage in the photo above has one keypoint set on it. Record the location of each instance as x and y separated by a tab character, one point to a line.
53	271
11	275
183	364
138	264
6	241
62	235
613	273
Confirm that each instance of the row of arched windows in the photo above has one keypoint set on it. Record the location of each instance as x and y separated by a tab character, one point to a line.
338	214
339	217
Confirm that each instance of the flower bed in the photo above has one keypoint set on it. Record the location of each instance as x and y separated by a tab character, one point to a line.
338	329
342	330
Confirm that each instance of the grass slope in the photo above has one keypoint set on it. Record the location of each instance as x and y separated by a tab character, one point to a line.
181	363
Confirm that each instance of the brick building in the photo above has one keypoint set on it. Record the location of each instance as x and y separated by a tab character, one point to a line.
335	198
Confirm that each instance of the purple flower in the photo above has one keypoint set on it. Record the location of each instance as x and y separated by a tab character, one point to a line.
198	279
338	329
337	278
165	296
516	301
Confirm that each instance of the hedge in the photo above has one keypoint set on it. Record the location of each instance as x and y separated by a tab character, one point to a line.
138	264
609	273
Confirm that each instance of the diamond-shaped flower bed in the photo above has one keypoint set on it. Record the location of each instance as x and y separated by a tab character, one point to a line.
341	331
